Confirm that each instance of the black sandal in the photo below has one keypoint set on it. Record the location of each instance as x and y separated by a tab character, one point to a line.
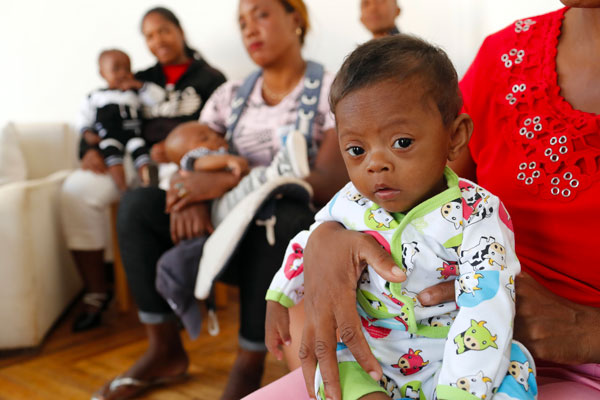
91	319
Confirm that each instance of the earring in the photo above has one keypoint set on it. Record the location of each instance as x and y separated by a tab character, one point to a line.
299	31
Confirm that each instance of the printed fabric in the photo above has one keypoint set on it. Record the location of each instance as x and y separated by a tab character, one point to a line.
262	128
463	234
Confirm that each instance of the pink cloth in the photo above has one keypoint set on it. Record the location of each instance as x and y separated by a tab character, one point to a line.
557	382
290	387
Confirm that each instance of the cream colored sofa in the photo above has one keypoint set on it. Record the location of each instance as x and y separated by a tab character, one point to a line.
37	276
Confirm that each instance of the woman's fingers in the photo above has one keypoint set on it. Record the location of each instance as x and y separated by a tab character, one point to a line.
189	227
324	347
438	294
372	253
181	203
173	222
308	360
351	334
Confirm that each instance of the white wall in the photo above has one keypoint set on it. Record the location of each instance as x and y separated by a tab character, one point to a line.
49	48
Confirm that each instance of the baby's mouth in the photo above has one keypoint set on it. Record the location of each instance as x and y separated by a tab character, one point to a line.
385	192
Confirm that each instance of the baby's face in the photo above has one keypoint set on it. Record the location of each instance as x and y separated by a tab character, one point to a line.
394	143
115	68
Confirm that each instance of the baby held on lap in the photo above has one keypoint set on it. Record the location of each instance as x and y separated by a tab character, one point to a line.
196	147
397	106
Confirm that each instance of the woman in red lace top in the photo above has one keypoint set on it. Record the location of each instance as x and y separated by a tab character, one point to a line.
533	92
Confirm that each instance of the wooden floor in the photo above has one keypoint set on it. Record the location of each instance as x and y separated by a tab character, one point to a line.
72	366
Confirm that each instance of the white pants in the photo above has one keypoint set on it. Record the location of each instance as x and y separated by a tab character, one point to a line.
85	210
85	206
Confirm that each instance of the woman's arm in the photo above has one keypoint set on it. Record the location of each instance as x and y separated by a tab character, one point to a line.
330	301
329	173
555	329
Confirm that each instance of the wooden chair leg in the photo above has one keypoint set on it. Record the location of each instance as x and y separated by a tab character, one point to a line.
122	294
221	295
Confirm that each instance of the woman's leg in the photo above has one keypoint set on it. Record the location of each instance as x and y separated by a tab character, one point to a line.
85	197
254	267
144	235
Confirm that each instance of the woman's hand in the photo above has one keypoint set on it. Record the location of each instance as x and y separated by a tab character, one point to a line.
158	153
331	276
190	222
93	161
555	329
193	187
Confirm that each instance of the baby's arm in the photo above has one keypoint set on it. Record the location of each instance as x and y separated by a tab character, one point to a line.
117	173
287	286
218	162
285	291
479	342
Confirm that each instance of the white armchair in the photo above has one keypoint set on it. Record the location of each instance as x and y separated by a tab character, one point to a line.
38	278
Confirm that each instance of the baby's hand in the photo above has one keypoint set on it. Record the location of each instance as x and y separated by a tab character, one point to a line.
277	328
130	83
238	166
91	138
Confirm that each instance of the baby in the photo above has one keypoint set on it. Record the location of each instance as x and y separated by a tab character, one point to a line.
196	147
397	106
110	118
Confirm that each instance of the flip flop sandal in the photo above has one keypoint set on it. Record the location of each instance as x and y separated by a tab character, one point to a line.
138	385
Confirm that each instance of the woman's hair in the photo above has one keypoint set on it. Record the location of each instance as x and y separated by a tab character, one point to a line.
401	57
299	7
172	18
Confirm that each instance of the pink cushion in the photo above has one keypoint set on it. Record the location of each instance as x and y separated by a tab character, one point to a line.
578	382
291	387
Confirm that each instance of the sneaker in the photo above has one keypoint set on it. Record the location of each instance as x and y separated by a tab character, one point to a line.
291	160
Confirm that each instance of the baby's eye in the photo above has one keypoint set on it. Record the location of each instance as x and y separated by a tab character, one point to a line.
355	151
402	143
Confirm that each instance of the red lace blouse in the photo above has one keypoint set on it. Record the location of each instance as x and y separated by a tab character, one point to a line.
539	155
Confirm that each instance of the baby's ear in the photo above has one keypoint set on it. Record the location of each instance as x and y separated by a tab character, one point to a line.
460	133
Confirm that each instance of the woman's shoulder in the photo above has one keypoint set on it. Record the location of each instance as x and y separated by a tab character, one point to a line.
149	74
201	67
522	29
226	91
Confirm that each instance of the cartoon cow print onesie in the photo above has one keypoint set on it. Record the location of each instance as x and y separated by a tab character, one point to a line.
463	234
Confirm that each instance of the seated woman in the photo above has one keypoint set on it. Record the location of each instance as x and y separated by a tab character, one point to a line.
273	33
532	94
184	81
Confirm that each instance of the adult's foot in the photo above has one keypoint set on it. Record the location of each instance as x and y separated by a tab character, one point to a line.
246	374
165	361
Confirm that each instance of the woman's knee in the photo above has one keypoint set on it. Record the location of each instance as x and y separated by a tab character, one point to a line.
94	190
137	206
